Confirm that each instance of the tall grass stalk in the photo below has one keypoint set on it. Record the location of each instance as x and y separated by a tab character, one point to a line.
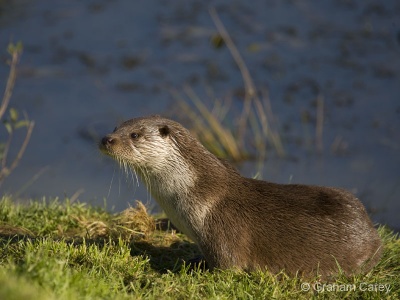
254	126
209	128
13	122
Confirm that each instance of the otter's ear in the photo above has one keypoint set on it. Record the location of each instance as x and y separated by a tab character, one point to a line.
164	130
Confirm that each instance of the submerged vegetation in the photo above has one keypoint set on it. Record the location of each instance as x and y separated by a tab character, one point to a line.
54	250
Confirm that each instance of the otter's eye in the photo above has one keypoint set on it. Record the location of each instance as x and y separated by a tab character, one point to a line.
134	135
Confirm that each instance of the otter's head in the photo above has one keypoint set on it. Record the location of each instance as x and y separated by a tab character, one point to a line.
169	160
157	150
142	143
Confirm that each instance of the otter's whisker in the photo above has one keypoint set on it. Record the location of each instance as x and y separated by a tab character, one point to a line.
146	177
134	172
134	178
112	180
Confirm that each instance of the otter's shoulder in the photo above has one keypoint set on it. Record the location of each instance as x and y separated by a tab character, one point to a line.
228	165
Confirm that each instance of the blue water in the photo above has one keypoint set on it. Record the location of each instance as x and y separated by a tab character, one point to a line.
88	66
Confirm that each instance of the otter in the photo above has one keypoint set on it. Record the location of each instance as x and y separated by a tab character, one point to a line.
244	223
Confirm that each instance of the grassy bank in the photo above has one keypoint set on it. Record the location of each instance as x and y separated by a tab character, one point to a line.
53	250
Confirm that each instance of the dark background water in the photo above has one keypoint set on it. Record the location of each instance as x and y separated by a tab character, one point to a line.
88	65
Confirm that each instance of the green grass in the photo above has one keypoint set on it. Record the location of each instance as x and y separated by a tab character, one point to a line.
54	250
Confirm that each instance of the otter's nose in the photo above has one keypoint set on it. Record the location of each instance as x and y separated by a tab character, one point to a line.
107	140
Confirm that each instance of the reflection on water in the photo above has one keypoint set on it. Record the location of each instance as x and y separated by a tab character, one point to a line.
88	66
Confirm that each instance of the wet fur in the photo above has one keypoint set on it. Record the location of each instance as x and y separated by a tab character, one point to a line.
244	223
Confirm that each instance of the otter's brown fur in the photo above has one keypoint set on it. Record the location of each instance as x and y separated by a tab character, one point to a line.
244	223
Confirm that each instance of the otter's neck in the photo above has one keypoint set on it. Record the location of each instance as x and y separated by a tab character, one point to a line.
185	189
